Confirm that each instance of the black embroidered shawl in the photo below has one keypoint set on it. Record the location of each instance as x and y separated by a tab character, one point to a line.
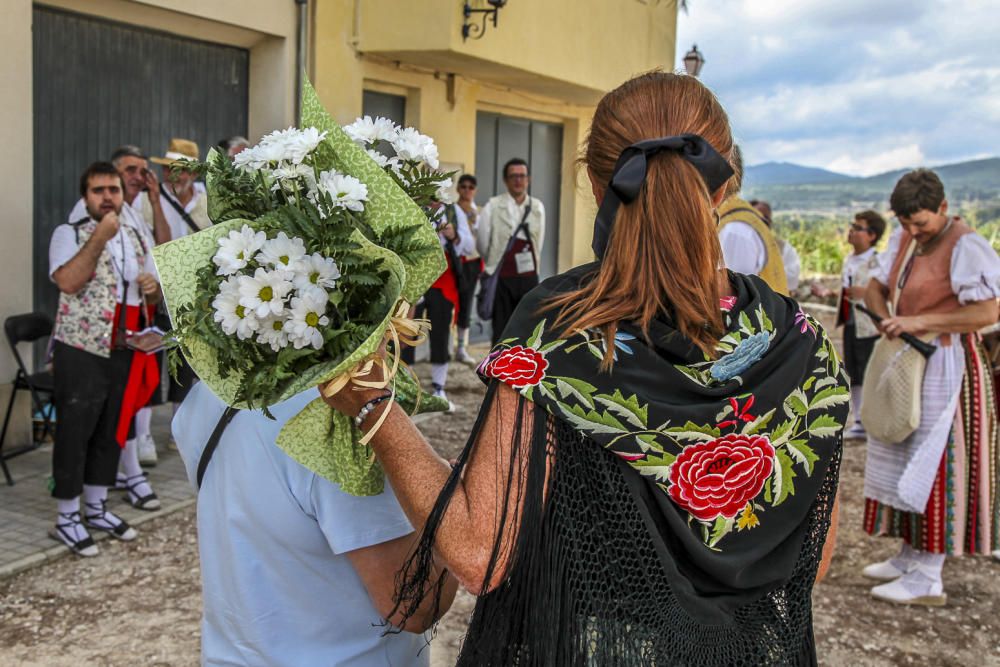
687	503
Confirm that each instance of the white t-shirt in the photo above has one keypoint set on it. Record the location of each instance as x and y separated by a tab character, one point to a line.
743	250
64	246
273	538
178	227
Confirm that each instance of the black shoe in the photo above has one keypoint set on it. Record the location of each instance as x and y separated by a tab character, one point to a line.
64	533
99	518
148	502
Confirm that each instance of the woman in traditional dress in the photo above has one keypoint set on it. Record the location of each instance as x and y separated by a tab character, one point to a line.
653	471
938	488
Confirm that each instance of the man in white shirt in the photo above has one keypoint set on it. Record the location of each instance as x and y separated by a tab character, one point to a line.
185	205
143	211
860	332
515	256
295	571
104	271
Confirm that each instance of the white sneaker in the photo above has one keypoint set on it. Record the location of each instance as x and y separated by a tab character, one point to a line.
462	356
147	450
890	569
856	432
439	393
917	587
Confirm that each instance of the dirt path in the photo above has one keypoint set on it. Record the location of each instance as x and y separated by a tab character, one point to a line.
139	603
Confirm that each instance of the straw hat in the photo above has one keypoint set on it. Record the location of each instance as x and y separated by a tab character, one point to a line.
179	150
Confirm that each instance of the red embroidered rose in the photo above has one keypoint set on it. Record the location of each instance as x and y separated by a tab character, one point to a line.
718	478
516	366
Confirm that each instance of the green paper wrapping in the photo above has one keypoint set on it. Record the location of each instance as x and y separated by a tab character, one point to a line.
319	438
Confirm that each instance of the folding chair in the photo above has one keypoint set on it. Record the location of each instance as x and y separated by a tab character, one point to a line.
27	328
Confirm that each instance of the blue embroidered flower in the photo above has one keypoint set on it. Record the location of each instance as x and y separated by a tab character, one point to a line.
743	357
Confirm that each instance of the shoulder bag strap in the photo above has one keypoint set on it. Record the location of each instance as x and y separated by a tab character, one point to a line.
180	210
513	237
213	442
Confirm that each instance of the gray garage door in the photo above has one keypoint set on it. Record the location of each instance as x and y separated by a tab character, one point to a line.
98	85
500	138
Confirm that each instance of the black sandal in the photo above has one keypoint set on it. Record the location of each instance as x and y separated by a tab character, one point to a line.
83	547
100	521
148	502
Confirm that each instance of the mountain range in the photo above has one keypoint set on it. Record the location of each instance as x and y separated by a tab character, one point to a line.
793	187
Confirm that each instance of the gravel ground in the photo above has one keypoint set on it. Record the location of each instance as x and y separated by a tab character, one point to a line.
139	603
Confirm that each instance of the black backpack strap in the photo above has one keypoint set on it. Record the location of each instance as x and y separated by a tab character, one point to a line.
213	441
180	210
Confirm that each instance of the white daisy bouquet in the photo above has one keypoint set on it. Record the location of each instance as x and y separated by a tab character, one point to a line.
319	243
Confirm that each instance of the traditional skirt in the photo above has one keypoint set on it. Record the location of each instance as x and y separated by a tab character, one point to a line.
963	512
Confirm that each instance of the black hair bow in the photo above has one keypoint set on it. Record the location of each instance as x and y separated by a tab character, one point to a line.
630	174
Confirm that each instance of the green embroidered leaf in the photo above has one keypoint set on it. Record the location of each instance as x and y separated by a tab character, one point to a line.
701	377
781	435
720	529
552	345
829	397
759	424
765	322
826	382
546	389
803	453
647	443
797	404
809	383
592	421
569	387
824	426
782	477
692	431
528	393
627	408
536	335
745	324
656	466
726	411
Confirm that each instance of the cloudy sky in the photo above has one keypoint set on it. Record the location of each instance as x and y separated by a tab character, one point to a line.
856	86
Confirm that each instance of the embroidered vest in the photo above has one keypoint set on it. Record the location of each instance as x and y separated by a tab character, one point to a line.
927	288
85	320
735	209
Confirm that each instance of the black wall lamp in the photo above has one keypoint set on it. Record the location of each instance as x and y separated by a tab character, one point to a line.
693	61
476	31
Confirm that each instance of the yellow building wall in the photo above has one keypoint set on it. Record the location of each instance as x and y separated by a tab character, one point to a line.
549	61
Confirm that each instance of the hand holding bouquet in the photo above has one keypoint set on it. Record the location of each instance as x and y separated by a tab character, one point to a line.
318	245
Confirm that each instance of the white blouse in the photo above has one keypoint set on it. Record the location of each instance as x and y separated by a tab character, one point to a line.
975	267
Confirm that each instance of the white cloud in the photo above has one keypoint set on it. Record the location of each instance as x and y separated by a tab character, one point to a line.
856	85
895	158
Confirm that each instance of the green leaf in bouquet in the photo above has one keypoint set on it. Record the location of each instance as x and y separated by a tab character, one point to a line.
388	207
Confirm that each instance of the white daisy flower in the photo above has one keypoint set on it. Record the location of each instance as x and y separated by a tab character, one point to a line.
299	145
382	160
444	193
236	249
316	272
286	175
248	158
282	252
264	293
366	131
273	331
346	191
231	316
412	146
306	317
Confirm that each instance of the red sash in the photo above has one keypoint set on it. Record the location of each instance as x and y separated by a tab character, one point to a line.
143	375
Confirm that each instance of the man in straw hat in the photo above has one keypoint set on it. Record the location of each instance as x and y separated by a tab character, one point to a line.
185	205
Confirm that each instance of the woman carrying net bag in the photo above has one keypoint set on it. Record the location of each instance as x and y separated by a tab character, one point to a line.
935	488
653	472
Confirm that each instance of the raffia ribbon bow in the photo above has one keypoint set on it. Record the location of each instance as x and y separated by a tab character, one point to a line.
402	330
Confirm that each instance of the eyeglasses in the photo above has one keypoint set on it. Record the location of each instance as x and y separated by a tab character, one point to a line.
859	228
